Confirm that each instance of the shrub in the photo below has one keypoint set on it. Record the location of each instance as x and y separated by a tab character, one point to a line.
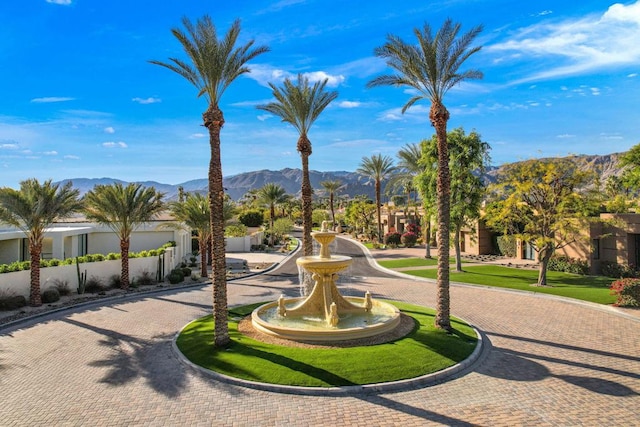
413	228
251	218
506	245
176	276
62	287
88	258
69	261
409	239
11	301
153	252
25	265
169	244
186	271
568	265
258	248
145	279
115	281
54	262
98	257
50	295
94	285
143	254
613	269
113	256
392	239
82	259
627	292
235	230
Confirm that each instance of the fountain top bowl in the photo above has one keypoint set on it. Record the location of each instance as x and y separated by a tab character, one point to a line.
321	265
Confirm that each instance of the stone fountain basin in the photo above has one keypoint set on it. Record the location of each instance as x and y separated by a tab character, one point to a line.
384	317
322	265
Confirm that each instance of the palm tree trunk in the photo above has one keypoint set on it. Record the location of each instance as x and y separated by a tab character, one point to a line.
35	250
427	244
272	213
202	248
124	264
439	117
304	147
213	121
456	245
333	213
378	211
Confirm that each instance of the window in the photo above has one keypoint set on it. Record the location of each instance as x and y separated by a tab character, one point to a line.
596	248
83	243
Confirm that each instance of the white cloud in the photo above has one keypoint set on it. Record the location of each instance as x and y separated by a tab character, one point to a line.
50	153
112	144
349	104
144	101
579	46
611	136
565	135
265	74
263	117
109	129
50	99
63	2
632	75
71	157
9	146
197	135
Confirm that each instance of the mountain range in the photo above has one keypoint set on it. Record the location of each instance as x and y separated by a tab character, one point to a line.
353	183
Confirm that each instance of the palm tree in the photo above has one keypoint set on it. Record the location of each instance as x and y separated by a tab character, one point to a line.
271	195
332	187
123	209
194	213
215	64
431	68
378	168
32	209
300	105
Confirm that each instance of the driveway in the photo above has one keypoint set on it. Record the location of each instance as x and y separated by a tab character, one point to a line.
550	362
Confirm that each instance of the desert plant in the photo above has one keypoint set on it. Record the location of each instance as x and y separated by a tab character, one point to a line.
251	218
627	292
50	295
176	276
115	281
82	278
10	301
62	286
145	279
94	285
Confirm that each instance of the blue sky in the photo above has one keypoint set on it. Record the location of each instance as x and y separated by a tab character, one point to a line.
79	99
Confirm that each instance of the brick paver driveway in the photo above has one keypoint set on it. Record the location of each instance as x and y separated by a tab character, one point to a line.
550	362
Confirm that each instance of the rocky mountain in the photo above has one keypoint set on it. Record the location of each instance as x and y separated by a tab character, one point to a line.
354	184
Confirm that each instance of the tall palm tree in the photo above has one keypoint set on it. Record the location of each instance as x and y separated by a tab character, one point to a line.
194	213
215	64
123	209
271	195
378	168
300	104
332	187
32	209
431	68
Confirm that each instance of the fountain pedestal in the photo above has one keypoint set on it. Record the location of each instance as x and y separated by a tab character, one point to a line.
321	316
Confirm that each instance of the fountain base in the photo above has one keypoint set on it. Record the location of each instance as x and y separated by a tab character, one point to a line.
382	317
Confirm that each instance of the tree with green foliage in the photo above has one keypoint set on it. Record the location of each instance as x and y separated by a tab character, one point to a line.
430	69
123	210
630	161
271	195
468	159
377	168
32	209
300	104
194	213
215	63
542	202
360	214
332	187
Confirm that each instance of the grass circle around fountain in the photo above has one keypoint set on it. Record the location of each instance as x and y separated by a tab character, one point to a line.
425	350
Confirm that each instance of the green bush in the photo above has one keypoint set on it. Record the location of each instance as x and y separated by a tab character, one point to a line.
176	276
153	252
627	292
50	295
169	244
11	302
98	257
25	265
94	285
186	271
113	256
409	239
54	262
235	230
392	239
69	261
568	265
506	245
613	269
251	218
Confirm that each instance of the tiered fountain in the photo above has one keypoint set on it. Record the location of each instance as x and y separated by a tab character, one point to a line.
325	315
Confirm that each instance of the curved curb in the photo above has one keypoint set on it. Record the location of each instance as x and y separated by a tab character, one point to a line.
468	365
588	304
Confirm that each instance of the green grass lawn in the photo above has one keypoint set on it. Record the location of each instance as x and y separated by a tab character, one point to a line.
424	350
412	262
586	288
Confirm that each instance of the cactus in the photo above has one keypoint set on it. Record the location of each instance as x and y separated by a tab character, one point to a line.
82	278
